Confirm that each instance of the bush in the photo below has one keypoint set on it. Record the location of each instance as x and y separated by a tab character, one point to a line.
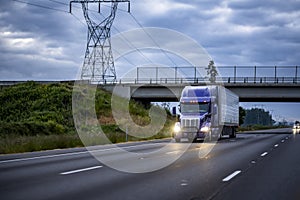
35	116
31	128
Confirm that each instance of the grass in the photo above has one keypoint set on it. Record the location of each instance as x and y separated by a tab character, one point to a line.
36	117
258	127
19	144
15	143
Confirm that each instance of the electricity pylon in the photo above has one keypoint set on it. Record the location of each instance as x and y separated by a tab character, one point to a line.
98	63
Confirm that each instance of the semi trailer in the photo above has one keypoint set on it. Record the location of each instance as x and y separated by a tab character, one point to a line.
206	111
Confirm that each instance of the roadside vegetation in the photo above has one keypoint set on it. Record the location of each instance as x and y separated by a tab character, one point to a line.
259	127
36	117
256	119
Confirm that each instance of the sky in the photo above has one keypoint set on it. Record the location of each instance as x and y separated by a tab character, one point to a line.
37	43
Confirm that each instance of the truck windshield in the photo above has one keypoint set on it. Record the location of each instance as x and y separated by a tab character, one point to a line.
194	107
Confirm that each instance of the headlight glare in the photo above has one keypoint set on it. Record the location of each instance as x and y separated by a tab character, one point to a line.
177	127
205	129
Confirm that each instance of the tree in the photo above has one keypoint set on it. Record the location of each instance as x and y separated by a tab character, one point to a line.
242	114
258	116
212	71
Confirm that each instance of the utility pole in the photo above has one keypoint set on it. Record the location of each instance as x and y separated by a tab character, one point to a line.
98	65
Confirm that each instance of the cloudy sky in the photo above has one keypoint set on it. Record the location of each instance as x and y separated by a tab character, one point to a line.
37	43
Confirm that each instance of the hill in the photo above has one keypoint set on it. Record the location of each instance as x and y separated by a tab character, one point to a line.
39	116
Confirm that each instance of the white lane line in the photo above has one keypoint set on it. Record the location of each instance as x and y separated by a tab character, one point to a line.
80	170
228	178
184	183
172	152
282	141
264	154
75	153
276	145
42	157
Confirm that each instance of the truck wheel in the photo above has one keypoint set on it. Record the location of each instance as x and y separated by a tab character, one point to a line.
233	134
220	136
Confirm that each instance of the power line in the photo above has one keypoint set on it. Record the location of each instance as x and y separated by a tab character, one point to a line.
40	6
130	43
60	10
58	2
78	19
139	24
118	8
65	4
153	39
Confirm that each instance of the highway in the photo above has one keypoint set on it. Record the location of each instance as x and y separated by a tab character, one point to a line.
255	165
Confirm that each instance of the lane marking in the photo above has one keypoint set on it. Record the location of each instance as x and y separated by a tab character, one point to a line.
81	170
41	157
184	182
172	152
228	178
276	145
264	154
282	141
75	153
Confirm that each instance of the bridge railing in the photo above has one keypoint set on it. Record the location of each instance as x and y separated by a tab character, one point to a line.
226	74
194	75
223	80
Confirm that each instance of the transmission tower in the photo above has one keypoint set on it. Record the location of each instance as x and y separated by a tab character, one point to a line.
98	63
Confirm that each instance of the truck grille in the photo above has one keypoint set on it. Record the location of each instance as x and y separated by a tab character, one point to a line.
190	123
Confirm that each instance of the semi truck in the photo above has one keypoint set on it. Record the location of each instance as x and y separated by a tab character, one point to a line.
206	111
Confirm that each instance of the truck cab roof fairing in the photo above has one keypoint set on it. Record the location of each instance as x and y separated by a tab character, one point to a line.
200	91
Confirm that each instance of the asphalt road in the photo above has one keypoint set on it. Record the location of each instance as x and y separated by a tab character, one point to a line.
263	165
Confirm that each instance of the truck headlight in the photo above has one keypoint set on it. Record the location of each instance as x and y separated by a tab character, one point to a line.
205	129
177	128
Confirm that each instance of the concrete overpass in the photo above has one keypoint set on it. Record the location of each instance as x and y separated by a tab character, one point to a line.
252	84
248	92
161	84
287	90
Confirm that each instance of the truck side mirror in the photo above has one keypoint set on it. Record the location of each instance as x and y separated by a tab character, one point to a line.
174	111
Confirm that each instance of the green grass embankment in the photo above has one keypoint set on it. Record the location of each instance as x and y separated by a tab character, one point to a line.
36	117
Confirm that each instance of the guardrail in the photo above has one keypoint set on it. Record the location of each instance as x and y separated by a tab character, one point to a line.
191	75
227	74
223	80
9	83
187	80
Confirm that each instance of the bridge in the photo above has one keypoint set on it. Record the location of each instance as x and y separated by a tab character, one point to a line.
164	84
251	84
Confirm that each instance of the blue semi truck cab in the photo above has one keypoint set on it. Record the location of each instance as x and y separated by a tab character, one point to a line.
206	111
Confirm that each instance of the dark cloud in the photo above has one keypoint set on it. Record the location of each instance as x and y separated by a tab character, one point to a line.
248	32
39	43
266	5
